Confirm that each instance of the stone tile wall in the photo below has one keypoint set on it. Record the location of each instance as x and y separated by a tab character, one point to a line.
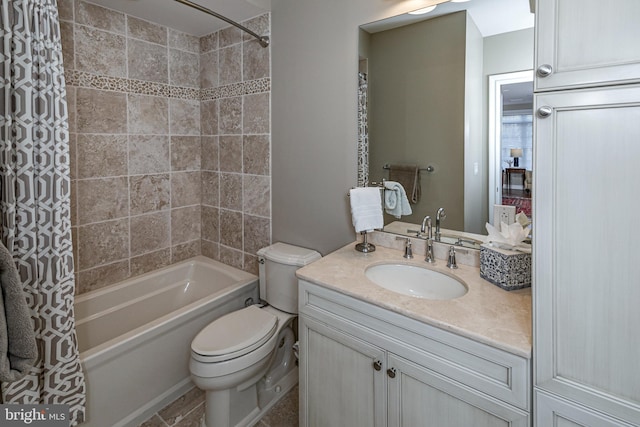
170	135
235	112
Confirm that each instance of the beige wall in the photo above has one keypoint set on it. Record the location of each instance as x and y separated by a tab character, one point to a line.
314	116
416	110
170	144
508	52
476	213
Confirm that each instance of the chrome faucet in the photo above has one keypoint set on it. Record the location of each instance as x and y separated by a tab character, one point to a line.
426	225
441	214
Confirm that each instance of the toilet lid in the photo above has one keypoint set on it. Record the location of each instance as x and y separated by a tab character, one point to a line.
235	334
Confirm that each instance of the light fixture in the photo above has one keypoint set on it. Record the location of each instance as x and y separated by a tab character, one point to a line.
515	153
428	9
423	10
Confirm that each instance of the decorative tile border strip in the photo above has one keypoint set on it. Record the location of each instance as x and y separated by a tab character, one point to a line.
237	89
141	87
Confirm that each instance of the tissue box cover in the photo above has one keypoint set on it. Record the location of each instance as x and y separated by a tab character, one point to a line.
507	269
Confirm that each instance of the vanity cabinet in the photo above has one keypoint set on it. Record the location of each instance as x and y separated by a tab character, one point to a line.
586	43
586	151
419	396
361	365
343	378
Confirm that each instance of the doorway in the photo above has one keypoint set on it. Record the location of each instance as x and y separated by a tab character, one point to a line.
510	140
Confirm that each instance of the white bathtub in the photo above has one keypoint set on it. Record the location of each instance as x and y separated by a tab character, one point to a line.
135	336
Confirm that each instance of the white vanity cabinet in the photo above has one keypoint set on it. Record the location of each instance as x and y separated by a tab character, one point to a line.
362	365
344	382
586	270
586	43
419	396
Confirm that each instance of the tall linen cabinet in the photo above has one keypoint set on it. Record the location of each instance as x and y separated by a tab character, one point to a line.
586	205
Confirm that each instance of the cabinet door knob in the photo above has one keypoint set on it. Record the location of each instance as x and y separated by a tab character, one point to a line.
544	111
544	70
377	365
391	372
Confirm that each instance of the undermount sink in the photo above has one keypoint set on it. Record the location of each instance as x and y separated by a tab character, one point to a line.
415	281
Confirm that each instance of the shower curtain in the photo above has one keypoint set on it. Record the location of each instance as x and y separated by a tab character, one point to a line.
363	132
34	198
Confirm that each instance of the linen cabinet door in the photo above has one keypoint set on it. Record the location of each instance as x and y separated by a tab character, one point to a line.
554	411
419	397
341	379
586	43
586	291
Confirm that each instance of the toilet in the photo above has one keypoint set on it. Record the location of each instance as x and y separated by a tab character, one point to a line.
245	360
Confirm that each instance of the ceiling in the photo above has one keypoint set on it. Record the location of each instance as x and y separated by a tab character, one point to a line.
491	16
517	94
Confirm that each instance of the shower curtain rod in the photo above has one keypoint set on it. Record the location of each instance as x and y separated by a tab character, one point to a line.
263	40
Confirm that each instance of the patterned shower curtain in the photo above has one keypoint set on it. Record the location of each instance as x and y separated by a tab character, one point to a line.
363	132
34	198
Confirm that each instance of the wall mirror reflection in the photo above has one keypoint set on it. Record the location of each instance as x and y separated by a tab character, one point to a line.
426	83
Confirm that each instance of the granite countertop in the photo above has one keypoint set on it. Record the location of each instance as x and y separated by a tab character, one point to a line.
486	313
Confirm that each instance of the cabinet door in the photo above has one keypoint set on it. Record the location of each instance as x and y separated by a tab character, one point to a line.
555	411
421	397
586	268
341	379
587	43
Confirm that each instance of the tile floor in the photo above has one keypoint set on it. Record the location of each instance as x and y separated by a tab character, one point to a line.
187	410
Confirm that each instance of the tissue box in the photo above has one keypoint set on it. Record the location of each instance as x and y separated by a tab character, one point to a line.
507	269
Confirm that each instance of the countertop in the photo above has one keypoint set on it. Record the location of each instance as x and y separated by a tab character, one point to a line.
486	313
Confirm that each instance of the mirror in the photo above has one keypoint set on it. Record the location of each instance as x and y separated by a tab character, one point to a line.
424	102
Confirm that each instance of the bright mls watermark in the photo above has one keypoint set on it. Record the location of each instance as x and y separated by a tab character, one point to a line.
34	415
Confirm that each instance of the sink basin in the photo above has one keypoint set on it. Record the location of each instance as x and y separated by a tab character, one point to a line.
415	281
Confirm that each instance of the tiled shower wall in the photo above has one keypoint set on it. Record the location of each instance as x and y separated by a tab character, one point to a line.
170	139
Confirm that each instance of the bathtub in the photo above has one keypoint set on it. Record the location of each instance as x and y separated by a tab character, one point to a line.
135	336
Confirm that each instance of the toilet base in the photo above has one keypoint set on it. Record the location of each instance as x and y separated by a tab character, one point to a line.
269	397
255	400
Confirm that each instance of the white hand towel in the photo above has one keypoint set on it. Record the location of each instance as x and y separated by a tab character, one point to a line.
396	202
366	208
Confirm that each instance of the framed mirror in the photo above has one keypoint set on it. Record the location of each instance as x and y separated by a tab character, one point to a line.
424	104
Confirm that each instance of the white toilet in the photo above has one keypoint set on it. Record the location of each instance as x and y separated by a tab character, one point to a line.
244	361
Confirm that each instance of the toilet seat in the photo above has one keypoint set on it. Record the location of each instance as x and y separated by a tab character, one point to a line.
234	335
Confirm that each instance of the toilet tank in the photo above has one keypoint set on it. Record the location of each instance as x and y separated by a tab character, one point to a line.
278	282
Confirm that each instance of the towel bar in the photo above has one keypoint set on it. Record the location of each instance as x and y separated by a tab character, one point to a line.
429	168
